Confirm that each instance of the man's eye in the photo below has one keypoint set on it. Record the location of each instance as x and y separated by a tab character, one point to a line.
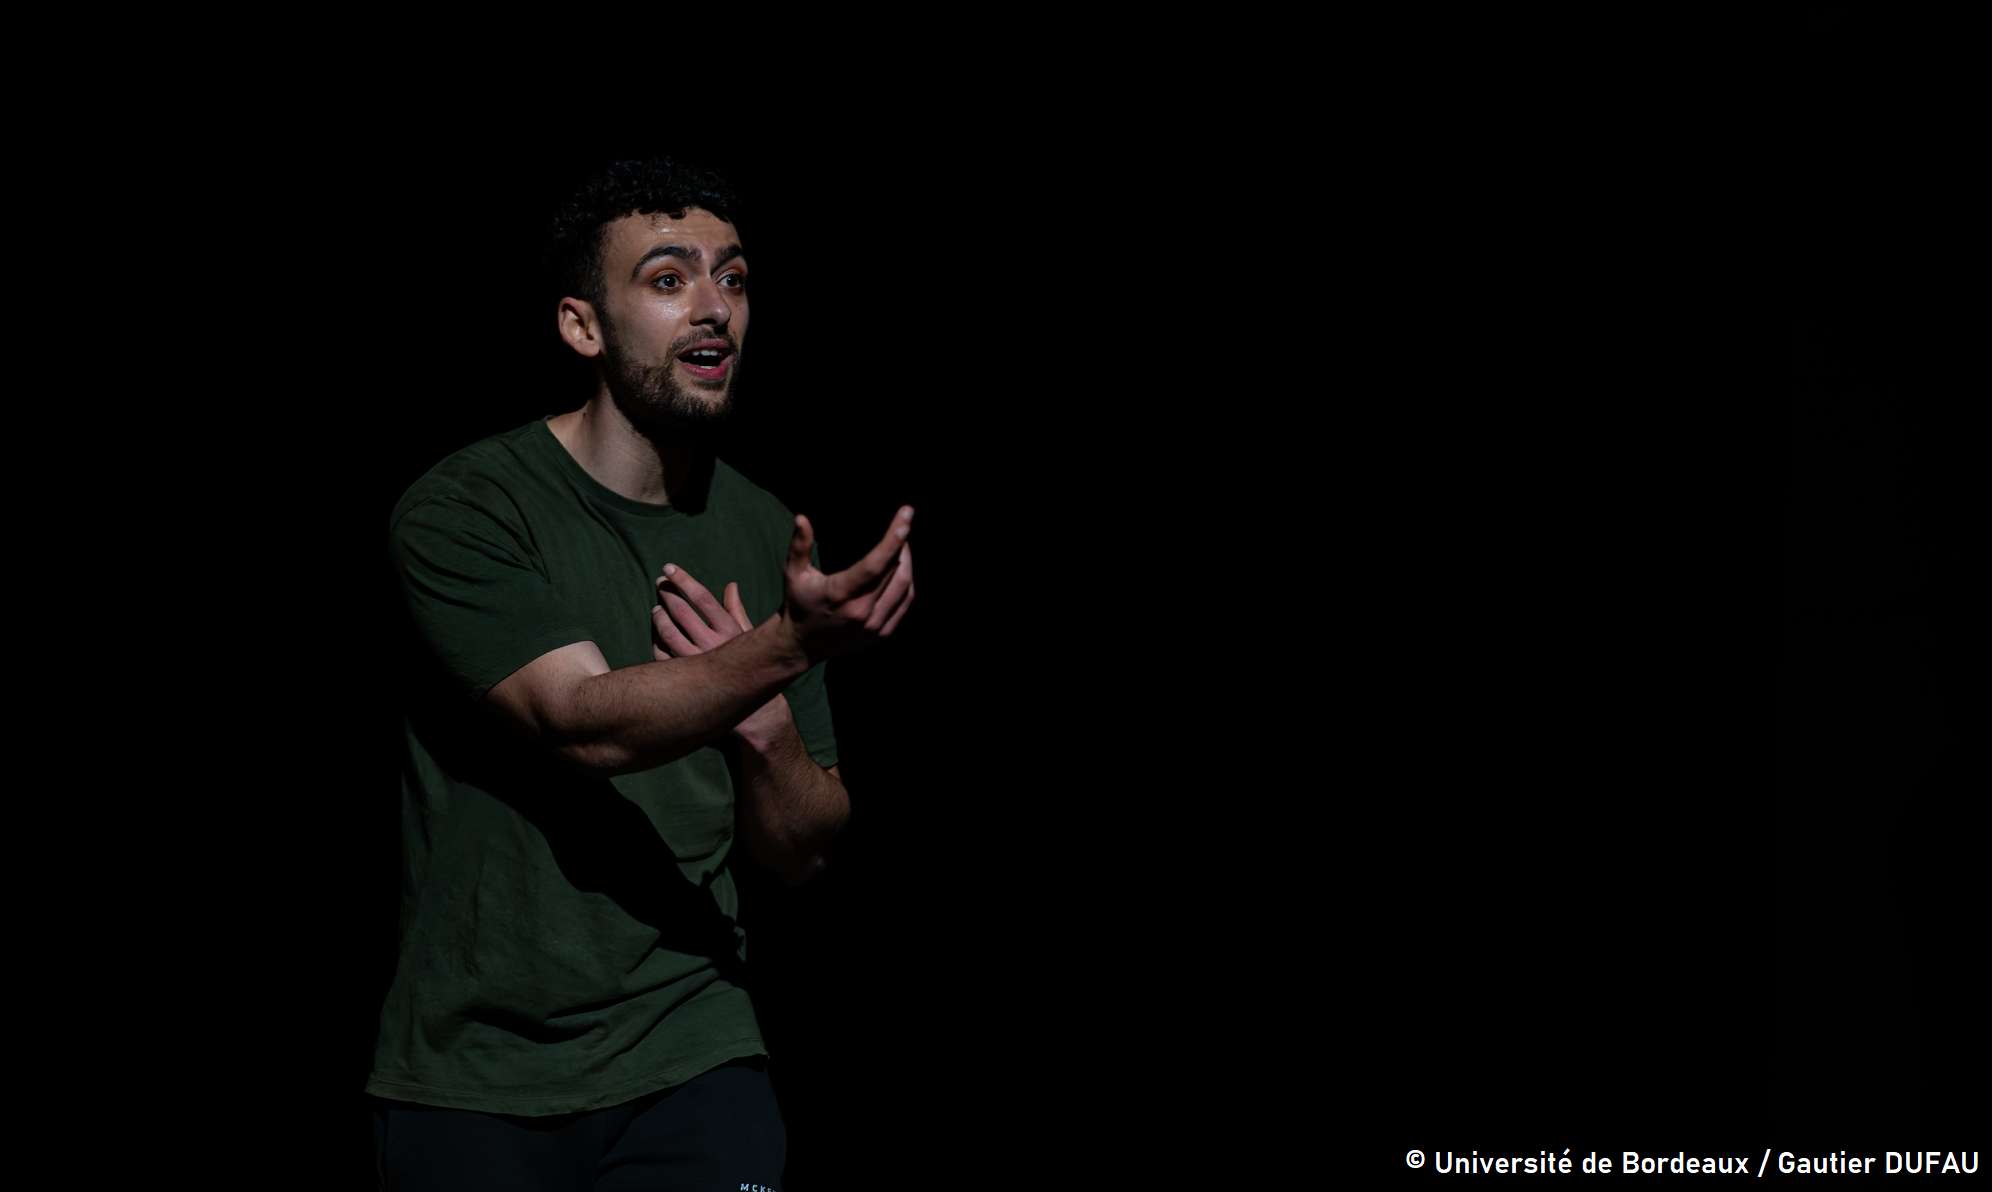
669	281
733	280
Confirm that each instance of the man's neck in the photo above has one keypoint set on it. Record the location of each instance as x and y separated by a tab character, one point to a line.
621	458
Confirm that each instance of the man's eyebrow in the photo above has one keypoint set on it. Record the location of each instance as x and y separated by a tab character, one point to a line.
689	255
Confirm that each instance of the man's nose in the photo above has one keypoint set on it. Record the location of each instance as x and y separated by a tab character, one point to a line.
709	308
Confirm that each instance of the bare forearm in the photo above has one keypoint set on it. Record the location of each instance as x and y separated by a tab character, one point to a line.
638	717
608	722
791	808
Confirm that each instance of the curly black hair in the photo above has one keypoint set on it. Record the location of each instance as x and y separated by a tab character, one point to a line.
575	237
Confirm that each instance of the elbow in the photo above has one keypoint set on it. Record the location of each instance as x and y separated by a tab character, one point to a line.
808	862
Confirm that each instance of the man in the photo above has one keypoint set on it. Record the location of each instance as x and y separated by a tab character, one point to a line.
568	1008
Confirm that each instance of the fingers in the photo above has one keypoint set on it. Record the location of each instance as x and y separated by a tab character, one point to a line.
802	543
878	562
677	579
673	638
693	626
899	614
736	607
894	594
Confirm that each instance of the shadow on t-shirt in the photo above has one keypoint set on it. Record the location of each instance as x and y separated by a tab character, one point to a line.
602	842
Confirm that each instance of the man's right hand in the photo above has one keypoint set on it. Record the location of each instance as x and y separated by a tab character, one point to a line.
837	614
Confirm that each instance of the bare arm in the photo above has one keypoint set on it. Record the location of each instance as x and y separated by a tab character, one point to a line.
608	722
791	808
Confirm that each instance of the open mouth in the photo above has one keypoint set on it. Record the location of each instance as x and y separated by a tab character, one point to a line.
707	361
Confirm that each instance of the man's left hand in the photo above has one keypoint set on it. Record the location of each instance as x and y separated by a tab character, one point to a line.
687	621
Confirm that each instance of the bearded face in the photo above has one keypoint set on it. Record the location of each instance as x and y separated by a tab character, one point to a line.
692	386
670	349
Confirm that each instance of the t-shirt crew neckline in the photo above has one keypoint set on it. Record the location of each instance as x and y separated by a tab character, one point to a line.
594	489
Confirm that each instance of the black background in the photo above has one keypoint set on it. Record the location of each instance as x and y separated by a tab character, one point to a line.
1877	925
1418	638
927	328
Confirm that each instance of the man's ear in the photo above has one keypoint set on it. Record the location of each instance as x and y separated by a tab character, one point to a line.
579	326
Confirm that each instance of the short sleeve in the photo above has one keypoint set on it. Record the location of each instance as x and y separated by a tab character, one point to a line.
478	599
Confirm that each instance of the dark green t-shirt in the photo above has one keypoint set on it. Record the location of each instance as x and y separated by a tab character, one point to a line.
566	943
